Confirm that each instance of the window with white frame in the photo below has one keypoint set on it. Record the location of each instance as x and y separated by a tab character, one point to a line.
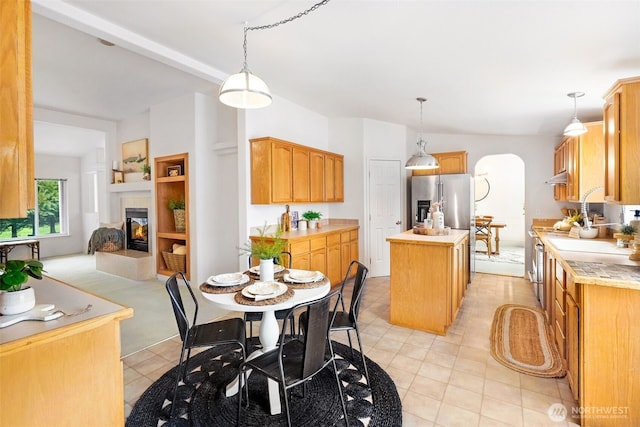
49	217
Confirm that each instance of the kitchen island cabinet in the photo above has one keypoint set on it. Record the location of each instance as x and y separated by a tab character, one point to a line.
597	327
67	371
429	276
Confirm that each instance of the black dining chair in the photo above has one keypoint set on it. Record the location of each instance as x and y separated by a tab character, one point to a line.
297	360
257	316
348	320
228	331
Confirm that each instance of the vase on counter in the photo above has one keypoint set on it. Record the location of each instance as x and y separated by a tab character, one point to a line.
438	219
17	301
266	270
302	224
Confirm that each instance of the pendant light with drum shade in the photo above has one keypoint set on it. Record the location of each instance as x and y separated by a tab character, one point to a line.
575	127
244	89
421	160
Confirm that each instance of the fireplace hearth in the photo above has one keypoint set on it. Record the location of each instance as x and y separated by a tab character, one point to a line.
137	220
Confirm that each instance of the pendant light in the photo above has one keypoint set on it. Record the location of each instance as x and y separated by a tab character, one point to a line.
246	90
575	127
421	160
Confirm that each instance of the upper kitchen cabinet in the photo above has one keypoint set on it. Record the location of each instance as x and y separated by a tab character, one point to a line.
584	163
622	142
450	162
16	132
285	172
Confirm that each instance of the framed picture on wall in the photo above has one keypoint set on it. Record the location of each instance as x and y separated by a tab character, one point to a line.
135	154
174	170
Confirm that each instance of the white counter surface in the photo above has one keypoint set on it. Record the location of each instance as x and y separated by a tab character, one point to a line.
67	298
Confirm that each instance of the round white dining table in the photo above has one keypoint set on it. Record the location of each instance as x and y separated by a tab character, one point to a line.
269	329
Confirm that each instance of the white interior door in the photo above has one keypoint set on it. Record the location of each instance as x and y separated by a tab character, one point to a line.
385	212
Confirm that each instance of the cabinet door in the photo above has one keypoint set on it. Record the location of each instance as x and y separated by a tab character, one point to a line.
334	268
318	260
572	153
16	131
559	165
451	162
573	353
281	173
300	175
612	148
329	178
316	165
339	178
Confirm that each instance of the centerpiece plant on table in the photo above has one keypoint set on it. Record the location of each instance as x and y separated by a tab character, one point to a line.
267	248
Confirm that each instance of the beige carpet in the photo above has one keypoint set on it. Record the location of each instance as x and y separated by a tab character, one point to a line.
153	320
520	340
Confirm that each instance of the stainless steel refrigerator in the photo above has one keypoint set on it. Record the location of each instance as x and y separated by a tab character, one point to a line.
455	191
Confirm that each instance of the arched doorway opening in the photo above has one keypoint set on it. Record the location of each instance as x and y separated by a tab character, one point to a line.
500	193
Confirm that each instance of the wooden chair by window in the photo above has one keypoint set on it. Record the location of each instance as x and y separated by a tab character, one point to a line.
256	316
229	331
483	231
295	361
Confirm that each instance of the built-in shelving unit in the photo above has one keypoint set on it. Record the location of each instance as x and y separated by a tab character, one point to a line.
171	187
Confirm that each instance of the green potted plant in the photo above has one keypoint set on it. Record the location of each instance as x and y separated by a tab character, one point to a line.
146	171
15	298
624	235
266	248
312	217
178	208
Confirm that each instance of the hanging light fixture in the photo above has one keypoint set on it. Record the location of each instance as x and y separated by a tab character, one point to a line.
246	90
421	160
575	127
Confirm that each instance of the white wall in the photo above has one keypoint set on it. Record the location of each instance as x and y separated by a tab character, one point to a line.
505	201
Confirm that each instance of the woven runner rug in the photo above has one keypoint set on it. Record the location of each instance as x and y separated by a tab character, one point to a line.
521	340
202	401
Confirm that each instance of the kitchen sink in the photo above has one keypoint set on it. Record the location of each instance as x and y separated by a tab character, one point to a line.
588	245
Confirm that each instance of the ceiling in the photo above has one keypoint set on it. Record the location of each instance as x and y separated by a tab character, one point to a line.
486	67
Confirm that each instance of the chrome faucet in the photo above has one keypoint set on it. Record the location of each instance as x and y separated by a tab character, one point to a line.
585	215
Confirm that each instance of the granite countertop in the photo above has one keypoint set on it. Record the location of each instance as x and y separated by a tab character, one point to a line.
594	261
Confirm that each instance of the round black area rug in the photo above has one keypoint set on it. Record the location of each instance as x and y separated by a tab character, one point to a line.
202	400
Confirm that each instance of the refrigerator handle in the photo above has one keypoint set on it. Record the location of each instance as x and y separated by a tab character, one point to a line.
440	192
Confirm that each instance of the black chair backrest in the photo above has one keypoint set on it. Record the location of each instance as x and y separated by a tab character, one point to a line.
178	307
319	318
358	288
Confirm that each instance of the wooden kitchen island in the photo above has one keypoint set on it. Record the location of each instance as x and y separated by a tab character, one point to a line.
429	276
66	371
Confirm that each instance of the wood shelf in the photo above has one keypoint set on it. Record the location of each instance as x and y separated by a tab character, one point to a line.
167	188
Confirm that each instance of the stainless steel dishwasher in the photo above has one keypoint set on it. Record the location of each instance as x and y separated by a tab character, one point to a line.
536	274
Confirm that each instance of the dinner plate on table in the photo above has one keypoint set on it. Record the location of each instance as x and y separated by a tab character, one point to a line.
264	290
228	279
256	269
303	276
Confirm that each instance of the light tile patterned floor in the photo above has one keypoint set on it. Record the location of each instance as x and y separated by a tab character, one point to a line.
447	380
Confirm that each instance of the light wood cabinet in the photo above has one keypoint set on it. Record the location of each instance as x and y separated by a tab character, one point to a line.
427	287
450	162
582	157
285	172
573	338
16	132
328	249
171	188
622	142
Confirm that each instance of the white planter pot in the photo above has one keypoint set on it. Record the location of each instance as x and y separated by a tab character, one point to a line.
313	224
18	301
266	270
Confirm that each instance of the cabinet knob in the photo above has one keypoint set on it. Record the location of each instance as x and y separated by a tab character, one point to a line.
398	222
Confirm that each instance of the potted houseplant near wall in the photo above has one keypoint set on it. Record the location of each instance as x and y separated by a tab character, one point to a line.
266	248
146	172
312	217
15	298
177	206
